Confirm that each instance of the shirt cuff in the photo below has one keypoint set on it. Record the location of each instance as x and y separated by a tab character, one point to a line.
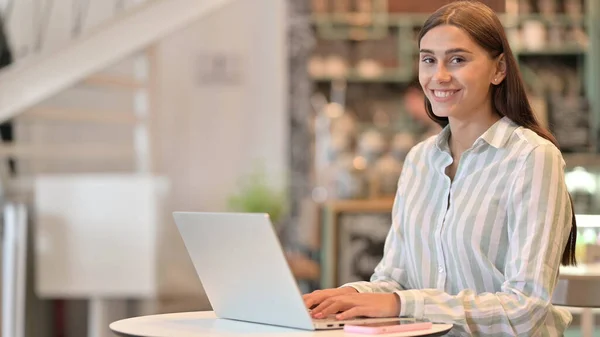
361	287
412	303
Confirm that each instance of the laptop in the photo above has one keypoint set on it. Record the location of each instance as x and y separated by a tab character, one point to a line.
245	275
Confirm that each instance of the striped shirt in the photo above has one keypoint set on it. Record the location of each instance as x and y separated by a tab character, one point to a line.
482	251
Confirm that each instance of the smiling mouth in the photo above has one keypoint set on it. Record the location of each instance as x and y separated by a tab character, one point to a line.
443	93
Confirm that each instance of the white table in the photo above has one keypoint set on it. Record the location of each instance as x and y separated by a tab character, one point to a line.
580	287
205	323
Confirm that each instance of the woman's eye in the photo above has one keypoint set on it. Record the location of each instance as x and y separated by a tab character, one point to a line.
427	59
456	60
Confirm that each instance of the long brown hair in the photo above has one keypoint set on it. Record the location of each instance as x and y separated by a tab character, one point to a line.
509	97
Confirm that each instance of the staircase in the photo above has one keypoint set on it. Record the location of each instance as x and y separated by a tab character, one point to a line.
100	124
38	90
49	73
81	99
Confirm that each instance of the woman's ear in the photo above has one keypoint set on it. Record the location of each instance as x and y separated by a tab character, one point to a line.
500	72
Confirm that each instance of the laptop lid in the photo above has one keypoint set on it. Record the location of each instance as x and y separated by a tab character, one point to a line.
241	265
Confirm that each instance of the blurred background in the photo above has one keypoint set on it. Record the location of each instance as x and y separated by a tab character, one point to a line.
115	113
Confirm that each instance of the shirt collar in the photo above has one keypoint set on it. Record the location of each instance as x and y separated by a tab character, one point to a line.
441	141
497	135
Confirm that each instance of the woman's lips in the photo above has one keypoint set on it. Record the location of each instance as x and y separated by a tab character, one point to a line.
443	95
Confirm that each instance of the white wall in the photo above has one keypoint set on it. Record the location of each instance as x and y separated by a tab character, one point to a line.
212	133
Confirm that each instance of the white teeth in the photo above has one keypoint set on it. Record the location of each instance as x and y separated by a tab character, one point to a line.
443	94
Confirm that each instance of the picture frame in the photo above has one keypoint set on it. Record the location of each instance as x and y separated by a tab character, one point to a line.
360	246
353	233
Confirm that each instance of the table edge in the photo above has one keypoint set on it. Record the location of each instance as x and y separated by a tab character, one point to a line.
435	334
123	334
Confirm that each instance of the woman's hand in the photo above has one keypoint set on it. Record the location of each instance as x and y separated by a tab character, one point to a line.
318	296
351	305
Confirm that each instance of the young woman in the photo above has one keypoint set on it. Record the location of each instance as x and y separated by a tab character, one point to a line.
482	218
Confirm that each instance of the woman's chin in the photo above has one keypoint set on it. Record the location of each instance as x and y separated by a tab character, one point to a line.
441	114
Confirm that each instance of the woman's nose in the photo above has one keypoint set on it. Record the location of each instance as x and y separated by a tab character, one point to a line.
441	74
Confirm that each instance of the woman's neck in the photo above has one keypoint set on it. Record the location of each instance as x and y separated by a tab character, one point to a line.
464	132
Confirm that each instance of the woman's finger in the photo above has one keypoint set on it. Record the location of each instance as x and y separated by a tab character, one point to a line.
337	304
352	313
324	304
314	298
318	296
310	300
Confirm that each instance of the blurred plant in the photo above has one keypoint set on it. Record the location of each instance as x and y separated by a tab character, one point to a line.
256	195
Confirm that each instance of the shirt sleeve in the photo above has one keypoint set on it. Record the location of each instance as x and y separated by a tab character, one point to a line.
390	274
539	223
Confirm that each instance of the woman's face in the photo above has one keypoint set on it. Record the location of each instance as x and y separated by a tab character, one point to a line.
456	73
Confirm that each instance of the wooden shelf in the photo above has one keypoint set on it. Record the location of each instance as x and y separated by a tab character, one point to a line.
552	51
417	19
354	19
361	205
403	26
388	76
561	19
582	159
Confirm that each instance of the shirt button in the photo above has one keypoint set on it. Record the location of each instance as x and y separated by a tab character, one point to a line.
441	270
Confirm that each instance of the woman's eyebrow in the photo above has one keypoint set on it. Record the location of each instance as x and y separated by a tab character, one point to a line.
449	51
